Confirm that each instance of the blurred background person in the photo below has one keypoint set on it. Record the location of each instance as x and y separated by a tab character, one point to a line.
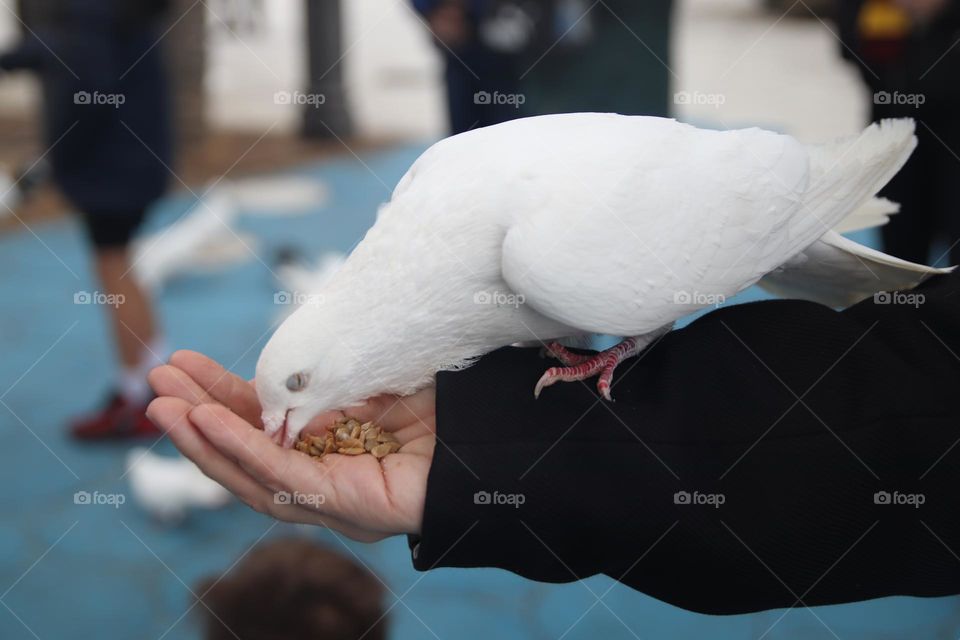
293	589
612	56
475	73
906	52
507	58
108	140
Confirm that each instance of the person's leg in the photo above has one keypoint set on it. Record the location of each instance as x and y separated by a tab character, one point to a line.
134	331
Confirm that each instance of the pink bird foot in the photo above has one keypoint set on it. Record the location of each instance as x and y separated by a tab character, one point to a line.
581	367
568	358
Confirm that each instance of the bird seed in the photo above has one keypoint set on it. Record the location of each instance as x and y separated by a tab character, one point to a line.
348	437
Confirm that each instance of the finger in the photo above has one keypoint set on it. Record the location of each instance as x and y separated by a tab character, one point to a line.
422	446
394	412
172	415
225	387
288	469
168	380
269	464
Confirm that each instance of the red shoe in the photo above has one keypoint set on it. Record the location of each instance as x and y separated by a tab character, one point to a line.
118	420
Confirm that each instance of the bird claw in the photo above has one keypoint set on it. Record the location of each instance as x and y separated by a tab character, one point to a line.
568	358
580	367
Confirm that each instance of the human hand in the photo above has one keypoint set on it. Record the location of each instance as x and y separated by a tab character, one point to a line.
213	417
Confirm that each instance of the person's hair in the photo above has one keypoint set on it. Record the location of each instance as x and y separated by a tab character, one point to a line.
293	588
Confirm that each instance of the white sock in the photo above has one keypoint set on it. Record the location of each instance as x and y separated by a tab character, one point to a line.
133	380
133	386
156	354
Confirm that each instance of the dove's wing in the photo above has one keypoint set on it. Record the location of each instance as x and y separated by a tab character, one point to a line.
644	216
647	219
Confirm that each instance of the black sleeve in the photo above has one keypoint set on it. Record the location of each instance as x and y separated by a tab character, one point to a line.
767	455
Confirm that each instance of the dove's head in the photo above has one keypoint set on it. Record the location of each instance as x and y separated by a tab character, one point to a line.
301	373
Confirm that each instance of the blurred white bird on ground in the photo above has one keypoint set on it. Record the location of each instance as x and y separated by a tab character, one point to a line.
10	194
206	238
169	487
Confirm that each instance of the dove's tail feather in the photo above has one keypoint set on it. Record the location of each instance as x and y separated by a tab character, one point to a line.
838	272
845	178
846	175
875	212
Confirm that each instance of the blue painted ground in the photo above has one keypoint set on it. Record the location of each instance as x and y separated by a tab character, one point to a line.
86	571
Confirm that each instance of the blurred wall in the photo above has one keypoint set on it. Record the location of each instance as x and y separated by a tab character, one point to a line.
392	73
742	66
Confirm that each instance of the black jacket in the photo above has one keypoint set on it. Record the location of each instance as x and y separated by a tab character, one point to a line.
769	454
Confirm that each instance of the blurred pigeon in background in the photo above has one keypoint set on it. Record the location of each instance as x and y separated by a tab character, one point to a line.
15	186
182	246
562	225
168	487
9	194
207	238
278	195
302	282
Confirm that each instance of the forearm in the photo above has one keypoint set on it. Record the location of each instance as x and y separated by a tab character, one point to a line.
787	414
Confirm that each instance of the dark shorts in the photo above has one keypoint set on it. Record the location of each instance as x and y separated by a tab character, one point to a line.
112	230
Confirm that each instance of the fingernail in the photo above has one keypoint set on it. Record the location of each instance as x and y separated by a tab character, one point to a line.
151	411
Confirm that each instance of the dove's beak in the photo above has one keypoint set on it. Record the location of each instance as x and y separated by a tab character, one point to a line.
297	419
273	424
284	427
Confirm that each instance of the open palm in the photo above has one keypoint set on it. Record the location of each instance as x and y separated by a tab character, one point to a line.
213	417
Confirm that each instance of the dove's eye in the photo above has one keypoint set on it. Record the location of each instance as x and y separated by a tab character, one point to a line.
297	381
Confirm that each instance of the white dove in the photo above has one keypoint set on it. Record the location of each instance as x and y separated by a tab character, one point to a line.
168	486
563	225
